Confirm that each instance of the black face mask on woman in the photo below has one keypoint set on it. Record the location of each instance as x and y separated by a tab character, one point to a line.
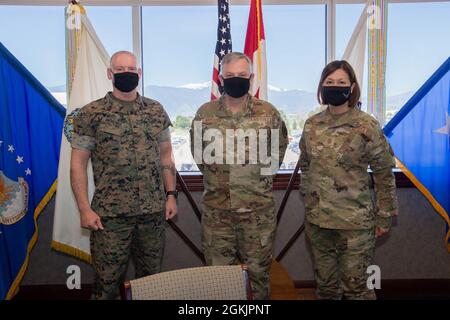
335	95
126	81
236	87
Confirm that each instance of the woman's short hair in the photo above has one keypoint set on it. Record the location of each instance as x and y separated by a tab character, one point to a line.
344	65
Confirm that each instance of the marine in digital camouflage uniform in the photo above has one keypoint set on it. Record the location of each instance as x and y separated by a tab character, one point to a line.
336	151
122	138
239	219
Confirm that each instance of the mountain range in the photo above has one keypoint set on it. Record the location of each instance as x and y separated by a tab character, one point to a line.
186	99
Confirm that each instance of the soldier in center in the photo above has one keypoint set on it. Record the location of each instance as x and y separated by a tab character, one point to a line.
238	210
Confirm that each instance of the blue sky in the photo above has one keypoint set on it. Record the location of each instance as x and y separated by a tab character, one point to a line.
179	41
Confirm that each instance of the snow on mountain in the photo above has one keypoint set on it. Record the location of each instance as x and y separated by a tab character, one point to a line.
273	88
186	99
196	86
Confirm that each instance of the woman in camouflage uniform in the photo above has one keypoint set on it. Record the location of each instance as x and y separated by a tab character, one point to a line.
342	218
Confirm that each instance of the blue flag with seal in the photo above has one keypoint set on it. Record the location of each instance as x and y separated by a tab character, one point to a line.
420	136
31	122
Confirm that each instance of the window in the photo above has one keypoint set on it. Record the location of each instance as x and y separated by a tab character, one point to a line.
38	42
295	44
113	26
179	42
347	16
178	59
417	44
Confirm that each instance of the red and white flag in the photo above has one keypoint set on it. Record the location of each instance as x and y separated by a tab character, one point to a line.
255	49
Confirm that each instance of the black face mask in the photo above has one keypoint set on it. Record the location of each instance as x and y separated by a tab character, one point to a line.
236	87
126	81
335	96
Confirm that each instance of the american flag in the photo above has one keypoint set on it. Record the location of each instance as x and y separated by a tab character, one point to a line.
223	45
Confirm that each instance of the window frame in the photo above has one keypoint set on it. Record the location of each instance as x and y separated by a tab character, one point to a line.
194	180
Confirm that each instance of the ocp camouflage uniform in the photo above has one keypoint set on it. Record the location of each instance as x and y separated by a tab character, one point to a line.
129	194
336	151
238	221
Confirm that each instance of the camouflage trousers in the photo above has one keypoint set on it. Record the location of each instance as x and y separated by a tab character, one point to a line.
230	237
341	258
139	237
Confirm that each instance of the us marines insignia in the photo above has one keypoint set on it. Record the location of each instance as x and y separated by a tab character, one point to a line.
68	124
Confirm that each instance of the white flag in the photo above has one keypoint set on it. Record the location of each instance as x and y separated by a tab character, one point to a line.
90	83
356	48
